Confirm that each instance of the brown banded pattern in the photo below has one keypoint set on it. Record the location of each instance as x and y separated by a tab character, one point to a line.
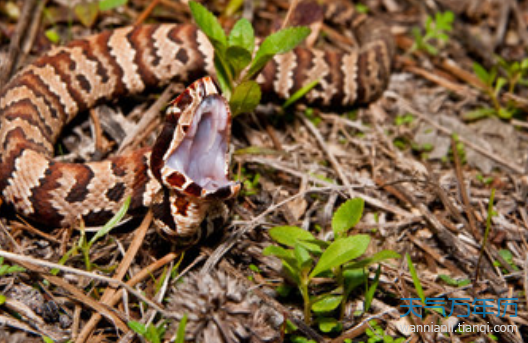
46	95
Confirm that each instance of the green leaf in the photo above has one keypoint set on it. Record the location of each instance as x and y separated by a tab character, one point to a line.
2	299
300	93
291	269
289	235
152	334
246	96
278	43
277	251
416	279
329	325
238	58
372	289
209	25
242	35
481	73
105	5
501	82
180	336
46	339
452	282
327	303
341	251
347	216
137	327
52	35
303	258
505	113
223	76
478	114
378	257
87	12
112	222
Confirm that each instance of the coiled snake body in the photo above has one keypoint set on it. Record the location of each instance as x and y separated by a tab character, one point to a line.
184	175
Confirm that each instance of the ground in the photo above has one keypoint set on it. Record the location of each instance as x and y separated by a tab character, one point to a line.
439	160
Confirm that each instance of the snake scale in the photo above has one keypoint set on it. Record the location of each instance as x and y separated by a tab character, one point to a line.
47	94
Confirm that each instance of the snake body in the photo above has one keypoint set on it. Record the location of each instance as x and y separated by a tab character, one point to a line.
47	94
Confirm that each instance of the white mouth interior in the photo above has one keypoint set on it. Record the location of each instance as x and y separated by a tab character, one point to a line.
202	153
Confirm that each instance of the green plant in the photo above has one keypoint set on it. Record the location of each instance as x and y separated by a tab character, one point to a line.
151	333
307	257
236	68
516	72
376	334
435	32
493	85
83	245
7	269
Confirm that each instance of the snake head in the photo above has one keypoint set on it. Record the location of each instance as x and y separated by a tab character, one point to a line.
191	157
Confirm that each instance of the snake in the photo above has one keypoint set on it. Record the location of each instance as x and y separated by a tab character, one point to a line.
184	176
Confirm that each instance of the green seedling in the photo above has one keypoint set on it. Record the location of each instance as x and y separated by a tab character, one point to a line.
236	64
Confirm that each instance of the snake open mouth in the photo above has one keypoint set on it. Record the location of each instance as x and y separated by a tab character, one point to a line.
202	154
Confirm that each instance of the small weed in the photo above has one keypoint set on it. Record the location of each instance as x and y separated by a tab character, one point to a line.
436	33
376	334
452	282
516	72
493	85
151	333
407	118
236	65
83	245
485	180
307	257
7	269
250	181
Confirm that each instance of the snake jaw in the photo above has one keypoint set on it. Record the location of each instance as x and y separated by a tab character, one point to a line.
194	145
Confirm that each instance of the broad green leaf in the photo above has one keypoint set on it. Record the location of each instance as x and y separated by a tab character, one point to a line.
87	12
46	339
378	257
209	25
327	303
327	324
278	43
242	35
2	299
481	73
289	235
524	64
277	251
112	222
180	336
246	96
137	327
416	279
300	93
341	251
303	258
105	5
311	246
372	289
347	215
238	58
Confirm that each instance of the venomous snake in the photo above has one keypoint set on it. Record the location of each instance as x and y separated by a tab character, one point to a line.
185	175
